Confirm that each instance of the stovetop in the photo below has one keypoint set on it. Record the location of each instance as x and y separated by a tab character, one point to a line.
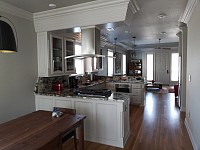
93	92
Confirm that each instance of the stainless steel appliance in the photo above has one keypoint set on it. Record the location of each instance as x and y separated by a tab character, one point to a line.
93	92
73	82
123	87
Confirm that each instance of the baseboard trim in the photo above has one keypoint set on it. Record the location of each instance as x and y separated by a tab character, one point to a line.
190	135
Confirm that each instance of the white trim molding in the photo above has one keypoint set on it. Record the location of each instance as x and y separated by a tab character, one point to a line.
85	14
132	9
188	11
190	135
15	11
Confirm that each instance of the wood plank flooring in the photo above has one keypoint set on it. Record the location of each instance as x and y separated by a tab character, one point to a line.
157	126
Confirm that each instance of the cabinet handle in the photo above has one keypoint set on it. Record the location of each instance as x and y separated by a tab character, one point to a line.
167	71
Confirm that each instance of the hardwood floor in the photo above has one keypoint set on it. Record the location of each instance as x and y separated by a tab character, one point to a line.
157	126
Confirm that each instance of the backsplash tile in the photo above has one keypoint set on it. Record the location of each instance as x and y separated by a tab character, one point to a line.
44	84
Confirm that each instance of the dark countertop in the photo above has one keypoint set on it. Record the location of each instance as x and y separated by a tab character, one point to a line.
70	93
115	96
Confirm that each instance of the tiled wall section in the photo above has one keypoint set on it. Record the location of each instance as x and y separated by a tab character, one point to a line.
44	84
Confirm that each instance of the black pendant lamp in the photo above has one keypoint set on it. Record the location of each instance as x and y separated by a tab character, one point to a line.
7	37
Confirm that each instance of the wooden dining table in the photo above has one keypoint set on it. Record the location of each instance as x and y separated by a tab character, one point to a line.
32	131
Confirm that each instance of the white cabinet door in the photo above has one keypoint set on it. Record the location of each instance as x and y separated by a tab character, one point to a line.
106	121
136	92
63	102
86	108
56	57
44	103
69	49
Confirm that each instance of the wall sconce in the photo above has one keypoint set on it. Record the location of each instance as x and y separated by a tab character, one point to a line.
7	37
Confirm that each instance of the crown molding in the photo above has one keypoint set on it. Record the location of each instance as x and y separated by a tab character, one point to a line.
15	11
133	6
85	14
132	9
188	11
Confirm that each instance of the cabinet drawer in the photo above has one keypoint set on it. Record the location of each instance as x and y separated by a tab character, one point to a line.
135	99
136	86
137	92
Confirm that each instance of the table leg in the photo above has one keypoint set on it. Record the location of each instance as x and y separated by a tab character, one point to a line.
80	135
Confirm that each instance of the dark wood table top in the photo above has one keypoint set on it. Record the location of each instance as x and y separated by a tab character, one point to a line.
35	129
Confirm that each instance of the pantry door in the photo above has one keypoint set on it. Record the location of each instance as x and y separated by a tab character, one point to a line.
162	69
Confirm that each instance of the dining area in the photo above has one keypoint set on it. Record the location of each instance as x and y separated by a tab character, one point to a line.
40	130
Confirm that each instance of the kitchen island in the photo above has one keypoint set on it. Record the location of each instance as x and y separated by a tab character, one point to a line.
134	89
107	118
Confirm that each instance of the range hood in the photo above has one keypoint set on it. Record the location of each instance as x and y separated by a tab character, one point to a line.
90	50
90	40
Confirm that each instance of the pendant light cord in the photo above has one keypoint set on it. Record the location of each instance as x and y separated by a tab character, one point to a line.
115	53
13	28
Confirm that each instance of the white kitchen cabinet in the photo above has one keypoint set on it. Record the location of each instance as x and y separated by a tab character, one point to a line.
44	102
51	50
86	108
63	102
69	49
43	54
56	55
137	95
106	122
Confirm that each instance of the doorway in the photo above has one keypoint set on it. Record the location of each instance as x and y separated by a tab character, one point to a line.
162	73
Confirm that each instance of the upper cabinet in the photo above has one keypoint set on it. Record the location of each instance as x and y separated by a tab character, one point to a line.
57	57
52	50
69	50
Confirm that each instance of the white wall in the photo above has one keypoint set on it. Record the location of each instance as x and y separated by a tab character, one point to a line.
18	72
193	69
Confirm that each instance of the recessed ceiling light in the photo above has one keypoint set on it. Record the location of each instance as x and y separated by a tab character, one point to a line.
163	33
110	29
126	31
161	16
52	5
77	29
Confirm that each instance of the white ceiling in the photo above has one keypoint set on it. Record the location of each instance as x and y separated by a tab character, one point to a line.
145	25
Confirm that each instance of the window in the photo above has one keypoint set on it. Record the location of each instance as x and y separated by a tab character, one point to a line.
78	63
124	64
174	67
110	63
150	66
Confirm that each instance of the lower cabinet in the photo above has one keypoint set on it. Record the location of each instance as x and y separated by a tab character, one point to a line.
137	95
44	103
86	108
106	116
106	122
63	102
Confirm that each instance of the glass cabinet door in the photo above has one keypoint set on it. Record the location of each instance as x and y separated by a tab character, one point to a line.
57	63
69	50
